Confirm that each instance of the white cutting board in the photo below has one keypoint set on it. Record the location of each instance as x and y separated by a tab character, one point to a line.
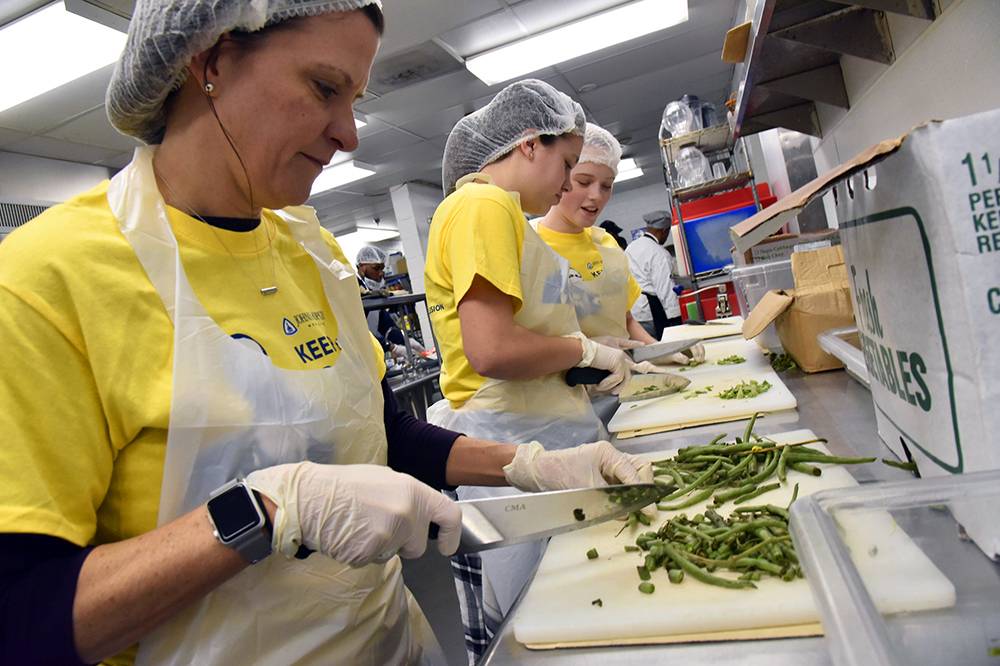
675	411
724	327
557	607
717	350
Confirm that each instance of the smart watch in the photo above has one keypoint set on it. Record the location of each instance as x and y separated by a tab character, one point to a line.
240	521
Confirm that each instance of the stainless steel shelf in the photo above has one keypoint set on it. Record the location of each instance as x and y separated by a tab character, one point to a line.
710	187
793	57
708	140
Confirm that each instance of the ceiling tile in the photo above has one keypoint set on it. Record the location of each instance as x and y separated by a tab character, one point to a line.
374	148
43	146
409	23
95	129
58	106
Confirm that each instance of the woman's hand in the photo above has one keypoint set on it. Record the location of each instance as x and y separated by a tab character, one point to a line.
534	469
356	514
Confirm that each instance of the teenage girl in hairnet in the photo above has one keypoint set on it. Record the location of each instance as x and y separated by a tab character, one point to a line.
502	316
187	324
601	287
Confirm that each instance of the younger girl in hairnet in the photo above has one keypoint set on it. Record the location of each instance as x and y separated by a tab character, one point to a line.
601	287
502	316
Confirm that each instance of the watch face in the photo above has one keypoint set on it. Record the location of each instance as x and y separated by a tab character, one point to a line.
233	513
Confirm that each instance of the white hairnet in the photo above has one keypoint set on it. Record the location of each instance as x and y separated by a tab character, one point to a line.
601	147
523	110
370	254
164	35
658	219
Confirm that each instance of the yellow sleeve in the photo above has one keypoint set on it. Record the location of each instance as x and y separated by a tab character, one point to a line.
484	238
338	254
57	456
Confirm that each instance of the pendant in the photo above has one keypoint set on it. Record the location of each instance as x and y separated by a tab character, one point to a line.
268	291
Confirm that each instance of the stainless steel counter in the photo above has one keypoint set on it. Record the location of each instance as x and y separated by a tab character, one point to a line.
833	406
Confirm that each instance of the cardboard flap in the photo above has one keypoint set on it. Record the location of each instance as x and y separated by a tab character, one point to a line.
756	228
766	311
823	268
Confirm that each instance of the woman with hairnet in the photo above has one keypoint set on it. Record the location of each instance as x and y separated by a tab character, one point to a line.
500	310
189	385
601	287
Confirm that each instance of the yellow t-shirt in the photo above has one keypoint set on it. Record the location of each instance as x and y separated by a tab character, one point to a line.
477	230
580	250
86	368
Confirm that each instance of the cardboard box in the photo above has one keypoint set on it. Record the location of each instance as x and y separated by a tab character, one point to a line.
919	218
821	300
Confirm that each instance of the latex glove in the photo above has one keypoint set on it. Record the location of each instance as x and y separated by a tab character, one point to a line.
356	514
617	343
534	469
648	368
615	361
398	352
697	354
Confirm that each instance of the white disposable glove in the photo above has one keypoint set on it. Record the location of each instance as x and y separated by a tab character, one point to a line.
681	358
617	343
615	361
356	514
534	469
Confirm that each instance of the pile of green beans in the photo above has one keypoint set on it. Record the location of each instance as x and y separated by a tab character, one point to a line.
735	359
748	389
782	362
753	540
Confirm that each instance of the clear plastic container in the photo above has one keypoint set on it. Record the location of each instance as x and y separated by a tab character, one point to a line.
901	572
752	282
842	343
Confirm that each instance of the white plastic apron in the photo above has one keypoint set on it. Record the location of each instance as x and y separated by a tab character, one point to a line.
601	305
232	412
519	411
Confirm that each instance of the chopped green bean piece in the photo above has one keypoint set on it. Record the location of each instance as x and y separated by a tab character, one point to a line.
597	602
676	576
579	514
647	588
631	549
907	466
734	359
643	573
592	554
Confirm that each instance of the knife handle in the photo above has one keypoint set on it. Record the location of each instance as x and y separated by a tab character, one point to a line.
576	376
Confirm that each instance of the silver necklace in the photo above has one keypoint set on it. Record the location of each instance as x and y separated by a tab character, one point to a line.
264	291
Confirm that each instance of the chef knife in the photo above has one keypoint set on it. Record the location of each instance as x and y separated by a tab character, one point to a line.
495	522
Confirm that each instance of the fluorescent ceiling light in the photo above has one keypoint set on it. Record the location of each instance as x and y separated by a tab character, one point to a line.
573	40
336	175
54	47
627	170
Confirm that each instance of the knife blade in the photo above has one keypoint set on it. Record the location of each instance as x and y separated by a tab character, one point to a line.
655	350
495	522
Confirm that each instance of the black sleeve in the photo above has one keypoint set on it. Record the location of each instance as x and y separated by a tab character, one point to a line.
38	575
416	448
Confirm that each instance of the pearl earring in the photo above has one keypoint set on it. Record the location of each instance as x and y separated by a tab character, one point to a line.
209	87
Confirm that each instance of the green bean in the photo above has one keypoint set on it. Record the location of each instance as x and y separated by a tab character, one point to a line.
647	588
805	469
723	497
783	463
759	491
642	518
631	549
799	456
676	576
763	508
907	466
713	468
749	431
693	532
694	499
643	573
757	563
742	527
767	471
592	554
700	574
739	468
795	496
597	602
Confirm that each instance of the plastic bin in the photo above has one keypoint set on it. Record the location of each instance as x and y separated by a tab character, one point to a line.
752	282
948	615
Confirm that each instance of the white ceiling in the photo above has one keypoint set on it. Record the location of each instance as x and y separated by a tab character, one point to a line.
419	90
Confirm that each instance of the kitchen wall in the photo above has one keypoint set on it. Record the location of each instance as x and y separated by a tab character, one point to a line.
944	69
28	179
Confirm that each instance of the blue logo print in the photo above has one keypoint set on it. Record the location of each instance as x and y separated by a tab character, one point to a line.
289	327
